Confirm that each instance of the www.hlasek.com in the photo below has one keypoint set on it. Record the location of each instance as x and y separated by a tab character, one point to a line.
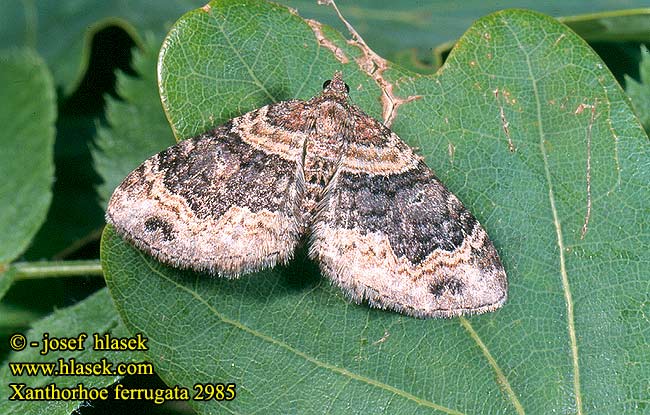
69	367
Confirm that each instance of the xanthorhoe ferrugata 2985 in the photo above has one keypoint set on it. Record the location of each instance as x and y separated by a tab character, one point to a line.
241	197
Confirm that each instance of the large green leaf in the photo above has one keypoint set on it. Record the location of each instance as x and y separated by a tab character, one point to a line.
137	123
393	27
27	115
639	92
95	314
526	125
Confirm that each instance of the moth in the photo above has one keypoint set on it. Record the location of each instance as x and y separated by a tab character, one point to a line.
241	197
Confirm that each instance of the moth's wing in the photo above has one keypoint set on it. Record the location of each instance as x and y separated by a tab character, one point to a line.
224	202
389	232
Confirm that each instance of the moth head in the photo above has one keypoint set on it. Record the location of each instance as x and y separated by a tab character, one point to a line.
336	87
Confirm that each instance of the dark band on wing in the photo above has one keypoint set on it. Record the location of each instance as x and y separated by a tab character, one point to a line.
213	175
417	213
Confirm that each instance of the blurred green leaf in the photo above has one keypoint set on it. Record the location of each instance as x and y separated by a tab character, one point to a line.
75	218
639	92
412	32
27	115
613	27
14	317
95	314
527	126
6	279
62	30
85	42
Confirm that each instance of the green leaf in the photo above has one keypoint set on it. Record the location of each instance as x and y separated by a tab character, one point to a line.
527	126
7	278
66	47
616	27
639	92
95	314
138	127
27	115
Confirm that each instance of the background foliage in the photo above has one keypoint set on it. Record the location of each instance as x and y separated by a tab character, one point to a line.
98	62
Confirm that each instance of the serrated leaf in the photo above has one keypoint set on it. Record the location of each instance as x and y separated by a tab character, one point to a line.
639	92
27	115
138	127
526	125
95	314
61	30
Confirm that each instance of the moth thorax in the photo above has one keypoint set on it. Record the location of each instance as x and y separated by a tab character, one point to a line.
318	171
336	119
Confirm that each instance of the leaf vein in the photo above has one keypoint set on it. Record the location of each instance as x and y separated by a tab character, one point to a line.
235	51
502	380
